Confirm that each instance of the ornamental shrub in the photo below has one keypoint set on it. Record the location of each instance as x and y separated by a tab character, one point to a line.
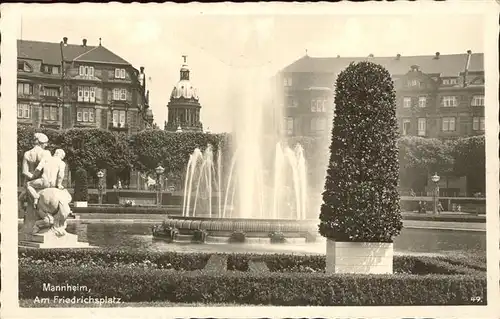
81	185
361	199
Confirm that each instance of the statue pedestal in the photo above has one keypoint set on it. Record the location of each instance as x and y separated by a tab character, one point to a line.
48	239
45	238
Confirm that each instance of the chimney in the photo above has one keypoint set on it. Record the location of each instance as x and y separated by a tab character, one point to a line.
84	41
65	40
437	55
398	56
467	64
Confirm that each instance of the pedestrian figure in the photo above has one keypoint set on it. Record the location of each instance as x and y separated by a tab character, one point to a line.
440	207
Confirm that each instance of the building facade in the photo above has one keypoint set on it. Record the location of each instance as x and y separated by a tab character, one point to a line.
438	96
62	85
184	105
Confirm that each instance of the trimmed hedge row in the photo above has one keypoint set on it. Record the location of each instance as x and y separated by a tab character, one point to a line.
70	257
285	289
276	262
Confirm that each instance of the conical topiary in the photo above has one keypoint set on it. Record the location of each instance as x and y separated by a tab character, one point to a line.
81	185
361	199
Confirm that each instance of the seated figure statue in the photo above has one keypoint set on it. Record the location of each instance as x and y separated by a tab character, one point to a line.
51	202
52	210
53	169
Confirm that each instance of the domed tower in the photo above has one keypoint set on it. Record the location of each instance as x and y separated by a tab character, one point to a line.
184	106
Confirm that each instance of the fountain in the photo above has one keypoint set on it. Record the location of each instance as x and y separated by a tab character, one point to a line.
259	190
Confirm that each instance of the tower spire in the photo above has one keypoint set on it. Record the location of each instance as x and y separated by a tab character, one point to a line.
184	69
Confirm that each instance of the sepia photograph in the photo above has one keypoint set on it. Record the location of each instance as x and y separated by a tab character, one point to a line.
199	158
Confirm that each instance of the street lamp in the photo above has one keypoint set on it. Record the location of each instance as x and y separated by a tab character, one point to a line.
159	172
435	178
100	185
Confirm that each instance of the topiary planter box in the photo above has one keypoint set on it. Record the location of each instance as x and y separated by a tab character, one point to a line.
359	257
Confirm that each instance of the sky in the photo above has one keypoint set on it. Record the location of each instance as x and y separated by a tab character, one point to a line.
221	47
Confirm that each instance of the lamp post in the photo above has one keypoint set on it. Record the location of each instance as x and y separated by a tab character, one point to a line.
100	185
159	172
435	178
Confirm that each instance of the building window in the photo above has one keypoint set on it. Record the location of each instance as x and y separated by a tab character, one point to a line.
449	101
413	83
289	125
85	114
287	81
86	71
50	91
23	111
478	123
120	74
324	105
314	105
406	126
50	113
318	125
24	88
86	94
407	102
119	118
119	94
50	69
24	67
422	126
478	100
291	102
448	124
422	101
319	105
452	81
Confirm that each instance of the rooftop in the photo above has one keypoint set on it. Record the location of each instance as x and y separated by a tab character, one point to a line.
50	53
444	64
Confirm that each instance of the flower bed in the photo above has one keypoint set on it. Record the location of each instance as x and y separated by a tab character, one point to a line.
291	280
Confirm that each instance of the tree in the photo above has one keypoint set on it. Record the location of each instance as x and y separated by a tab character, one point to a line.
361	199
95	149
421	157
171	150
470	161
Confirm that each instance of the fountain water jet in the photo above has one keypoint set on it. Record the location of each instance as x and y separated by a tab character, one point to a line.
201	167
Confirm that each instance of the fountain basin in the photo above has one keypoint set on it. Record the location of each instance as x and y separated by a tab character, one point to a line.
220	230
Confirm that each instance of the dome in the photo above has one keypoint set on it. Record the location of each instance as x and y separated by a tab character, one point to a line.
184	89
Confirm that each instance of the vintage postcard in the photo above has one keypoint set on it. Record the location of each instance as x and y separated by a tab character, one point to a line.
315	160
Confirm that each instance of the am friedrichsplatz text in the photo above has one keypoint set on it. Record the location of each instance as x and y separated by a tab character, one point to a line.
47	287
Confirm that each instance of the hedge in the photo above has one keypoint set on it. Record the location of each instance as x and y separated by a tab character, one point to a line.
239	262
100	256
272	288
136	276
